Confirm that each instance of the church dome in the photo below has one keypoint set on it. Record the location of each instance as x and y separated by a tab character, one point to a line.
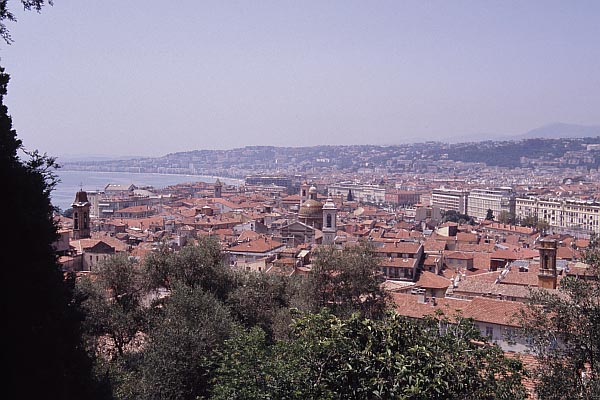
311	209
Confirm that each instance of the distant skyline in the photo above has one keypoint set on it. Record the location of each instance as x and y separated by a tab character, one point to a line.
150	78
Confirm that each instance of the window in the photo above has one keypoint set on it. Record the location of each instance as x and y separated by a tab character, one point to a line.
329	220
489	331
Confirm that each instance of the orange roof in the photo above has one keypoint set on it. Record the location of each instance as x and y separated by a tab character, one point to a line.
432	281
261	245
458	255
399	247
480	309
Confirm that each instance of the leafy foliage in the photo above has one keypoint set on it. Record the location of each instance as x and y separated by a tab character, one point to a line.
262	300
6	14
347	281
112	306
200	265
245	340
455	216
358	358
563	331
181	343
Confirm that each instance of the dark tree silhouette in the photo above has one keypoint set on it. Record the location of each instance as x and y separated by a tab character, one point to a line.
6	14
43	352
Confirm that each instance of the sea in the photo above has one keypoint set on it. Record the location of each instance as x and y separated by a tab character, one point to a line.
73	181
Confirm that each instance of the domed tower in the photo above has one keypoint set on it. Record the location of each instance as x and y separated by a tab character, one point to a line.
311	210
218	189
329	221
81	216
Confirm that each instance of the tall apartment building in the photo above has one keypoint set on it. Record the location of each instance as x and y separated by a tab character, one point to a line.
497	199
565	215
450	199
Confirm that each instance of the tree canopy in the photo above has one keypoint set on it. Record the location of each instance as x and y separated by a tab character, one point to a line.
6	14
356	358
562	328
42	336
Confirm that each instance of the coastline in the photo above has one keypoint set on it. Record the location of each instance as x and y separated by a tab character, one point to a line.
72	181
215	177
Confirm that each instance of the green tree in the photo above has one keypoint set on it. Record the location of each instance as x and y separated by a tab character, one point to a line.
253	367
177	362
455	216
114	315
357	358
350	197
529	221
506	217
262	300
43	351
535	222
200	264
489	216
347	281
562	328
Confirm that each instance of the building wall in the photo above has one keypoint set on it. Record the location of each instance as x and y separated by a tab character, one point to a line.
498	200
566	215
90	261
449	199
507	337
361	192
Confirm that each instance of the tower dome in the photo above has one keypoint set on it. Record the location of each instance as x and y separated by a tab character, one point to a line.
311	211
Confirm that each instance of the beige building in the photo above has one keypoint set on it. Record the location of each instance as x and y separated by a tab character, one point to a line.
565	215
498	200
363	193
450	199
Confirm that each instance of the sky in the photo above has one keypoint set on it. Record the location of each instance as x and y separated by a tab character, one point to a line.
151	77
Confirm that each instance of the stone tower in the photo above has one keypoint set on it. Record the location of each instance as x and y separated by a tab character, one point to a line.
304	195
547	274
329	221
81	216
218	189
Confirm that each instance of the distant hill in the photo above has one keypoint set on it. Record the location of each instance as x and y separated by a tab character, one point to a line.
560	130
74	158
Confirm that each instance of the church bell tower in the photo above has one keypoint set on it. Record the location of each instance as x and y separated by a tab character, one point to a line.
329	221
218	189
81	216
547	274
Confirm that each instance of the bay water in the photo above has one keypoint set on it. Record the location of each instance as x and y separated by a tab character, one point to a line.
72	181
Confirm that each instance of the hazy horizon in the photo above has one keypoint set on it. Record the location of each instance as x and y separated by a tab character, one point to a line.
110	78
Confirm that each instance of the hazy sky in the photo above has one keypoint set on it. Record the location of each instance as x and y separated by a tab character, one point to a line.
151	77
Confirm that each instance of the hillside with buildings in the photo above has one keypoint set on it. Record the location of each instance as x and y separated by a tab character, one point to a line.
533	154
